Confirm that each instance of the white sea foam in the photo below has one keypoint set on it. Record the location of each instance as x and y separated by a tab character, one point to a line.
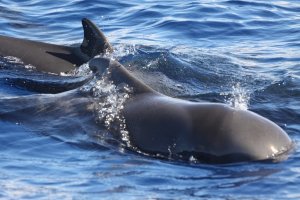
121	50
111	99
12	59
15	60
238	97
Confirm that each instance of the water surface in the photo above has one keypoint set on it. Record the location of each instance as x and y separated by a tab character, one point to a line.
242	53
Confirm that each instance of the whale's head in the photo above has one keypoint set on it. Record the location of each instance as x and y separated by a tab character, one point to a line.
255	136
238	135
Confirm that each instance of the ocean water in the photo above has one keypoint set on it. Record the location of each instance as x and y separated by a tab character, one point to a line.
242	53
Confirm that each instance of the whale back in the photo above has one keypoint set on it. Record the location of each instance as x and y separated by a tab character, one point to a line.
117	73
206	132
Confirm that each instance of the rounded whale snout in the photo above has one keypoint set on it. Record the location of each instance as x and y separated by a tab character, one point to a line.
255	136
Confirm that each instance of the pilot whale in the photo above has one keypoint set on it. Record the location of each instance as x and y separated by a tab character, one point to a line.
57	58
158	124
209	132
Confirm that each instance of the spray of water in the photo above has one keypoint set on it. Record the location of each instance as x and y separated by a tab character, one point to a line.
110	102
17	61
238	97
121	50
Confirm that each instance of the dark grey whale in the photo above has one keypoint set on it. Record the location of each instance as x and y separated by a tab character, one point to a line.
57	58
208	132
162	125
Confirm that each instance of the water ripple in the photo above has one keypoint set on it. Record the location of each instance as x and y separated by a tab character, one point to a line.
240	52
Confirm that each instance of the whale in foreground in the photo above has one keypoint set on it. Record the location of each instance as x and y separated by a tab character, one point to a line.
162	125
208	132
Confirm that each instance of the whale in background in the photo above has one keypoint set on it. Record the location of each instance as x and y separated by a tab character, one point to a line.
57	58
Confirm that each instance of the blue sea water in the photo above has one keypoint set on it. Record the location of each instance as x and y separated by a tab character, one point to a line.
242	53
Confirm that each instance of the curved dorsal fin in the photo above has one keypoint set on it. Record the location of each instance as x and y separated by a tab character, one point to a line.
94	41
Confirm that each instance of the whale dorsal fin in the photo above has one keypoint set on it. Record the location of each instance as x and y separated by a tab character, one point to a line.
57	58
94	41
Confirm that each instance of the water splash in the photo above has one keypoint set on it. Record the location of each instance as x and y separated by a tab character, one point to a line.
110	103
238	97
111	97
121	50
11	60
82	70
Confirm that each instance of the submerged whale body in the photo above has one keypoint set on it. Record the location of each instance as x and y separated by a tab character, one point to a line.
158	124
